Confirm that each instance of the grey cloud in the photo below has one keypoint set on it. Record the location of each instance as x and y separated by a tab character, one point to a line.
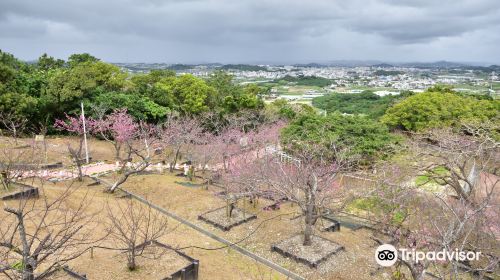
248	30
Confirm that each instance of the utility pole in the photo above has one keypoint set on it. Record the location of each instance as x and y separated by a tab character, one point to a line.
85	136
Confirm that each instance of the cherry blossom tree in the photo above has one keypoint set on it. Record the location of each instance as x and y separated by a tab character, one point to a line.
204	152
75	125
132	142
308	180
118	128
418	220
232	154
456	208
179	134
456	160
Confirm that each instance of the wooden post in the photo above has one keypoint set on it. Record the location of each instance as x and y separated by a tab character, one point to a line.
195	269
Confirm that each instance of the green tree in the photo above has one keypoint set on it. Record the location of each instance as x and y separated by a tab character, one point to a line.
46	62
230	97
14	89
366	103
224	87
189	93
439	109
78	58
290	111
9	69
20	104
149	85
364	138
68	86
140	107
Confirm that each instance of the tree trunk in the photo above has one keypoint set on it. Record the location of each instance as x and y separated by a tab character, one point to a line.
228	209
224	159
191	172
118	148
28	262
308	231
172	166
120	181
310	209
417	272
255	201
4	178
28	273
131	260
80	172
15	134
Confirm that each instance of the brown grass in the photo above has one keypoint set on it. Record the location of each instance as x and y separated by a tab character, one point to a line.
189	202
214	264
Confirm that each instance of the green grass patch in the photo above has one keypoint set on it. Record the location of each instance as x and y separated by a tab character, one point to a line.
426	178
422	180
188	184
377	206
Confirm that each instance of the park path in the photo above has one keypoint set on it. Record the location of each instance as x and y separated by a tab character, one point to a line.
100	168
70	173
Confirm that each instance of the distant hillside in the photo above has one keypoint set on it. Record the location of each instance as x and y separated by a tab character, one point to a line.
307	81
488	69
243	67
437	64
180	67
353	63
311	65
383	65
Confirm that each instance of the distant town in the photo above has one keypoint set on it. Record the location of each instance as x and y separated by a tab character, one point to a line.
303	82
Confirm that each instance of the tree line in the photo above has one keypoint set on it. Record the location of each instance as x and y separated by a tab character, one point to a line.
45	90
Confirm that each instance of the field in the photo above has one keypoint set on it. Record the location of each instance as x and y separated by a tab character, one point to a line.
188	200
107	264
258	235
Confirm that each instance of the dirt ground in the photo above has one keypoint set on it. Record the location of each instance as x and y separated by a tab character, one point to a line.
270	227
105	264
29	151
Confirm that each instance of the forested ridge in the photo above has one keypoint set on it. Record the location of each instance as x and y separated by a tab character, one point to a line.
49	88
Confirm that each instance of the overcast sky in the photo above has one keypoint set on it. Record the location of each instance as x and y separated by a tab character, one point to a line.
253	31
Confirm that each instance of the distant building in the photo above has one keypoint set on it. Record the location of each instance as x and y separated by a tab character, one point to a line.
386	92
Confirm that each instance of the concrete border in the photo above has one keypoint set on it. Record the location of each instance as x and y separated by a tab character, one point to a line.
268	263
228	227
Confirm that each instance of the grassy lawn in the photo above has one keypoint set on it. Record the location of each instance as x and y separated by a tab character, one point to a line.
373	205
426	179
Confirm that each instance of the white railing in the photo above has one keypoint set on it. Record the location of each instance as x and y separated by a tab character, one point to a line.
283	157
